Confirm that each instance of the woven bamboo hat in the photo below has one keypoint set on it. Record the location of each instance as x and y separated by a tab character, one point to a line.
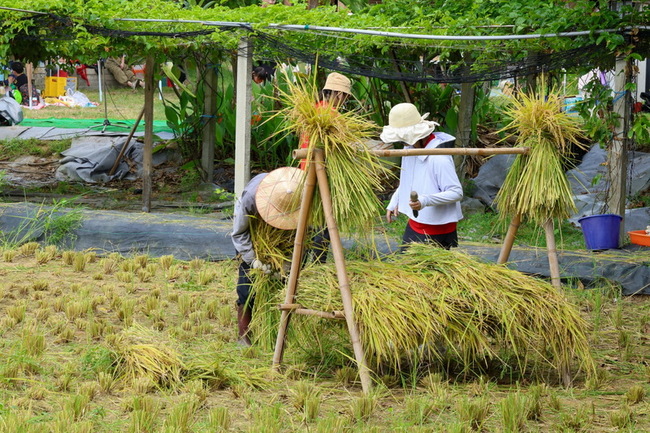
278	197
405	124
338	83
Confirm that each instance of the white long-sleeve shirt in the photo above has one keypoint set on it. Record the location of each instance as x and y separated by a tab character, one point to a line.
435	180
244	208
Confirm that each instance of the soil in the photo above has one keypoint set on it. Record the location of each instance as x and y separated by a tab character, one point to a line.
33	179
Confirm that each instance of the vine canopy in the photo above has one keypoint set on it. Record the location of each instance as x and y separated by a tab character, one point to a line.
87	29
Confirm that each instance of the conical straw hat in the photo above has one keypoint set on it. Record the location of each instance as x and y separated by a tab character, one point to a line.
278	197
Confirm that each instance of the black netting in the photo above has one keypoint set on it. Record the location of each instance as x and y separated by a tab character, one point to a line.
426	70
398	64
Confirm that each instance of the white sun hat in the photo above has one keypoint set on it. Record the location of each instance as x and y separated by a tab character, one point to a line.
278	197
405	124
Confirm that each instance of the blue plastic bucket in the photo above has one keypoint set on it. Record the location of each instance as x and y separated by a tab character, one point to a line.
601	232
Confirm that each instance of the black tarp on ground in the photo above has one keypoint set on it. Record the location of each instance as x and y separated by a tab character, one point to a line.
207	237
629	267
186	237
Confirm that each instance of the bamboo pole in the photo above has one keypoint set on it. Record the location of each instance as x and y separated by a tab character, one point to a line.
298	309
553	263
147	157
302	153
126	143
323	314
29	71
341	272
289	307
509	240
296	262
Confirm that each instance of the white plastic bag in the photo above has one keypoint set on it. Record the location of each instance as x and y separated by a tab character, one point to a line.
79	99
11	113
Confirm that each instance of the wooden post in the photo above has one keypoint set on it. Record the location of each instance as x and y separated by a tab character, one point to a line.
147	157
553	263
243	112
402	83
464	130
296	261
342	276
210	124
509	240
617	154
29	71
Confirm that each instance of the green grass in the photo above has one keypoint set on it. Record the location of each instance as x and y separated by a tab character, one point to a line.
121	104
487	228
14	148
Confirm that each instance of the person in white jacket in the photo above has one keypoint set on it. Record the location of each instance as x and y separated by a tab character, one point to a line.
273	197
434	214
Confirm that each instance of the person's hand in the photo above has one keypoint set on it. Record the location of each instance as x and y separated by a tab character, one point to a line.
391	215
257	264
415	205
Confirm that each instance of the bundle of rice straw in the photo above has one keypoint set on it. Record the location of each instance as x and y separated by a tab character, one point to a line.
354	173
272	245
142	352
428	297
536	186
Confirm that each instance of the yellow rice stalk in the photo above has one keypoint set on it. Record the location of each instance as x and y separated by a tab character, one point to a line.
144	352
273	246
536	186
354	173
221	366
430	297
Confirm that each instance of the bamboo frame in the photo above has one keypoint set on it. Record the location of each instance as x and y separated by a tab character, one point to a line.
509	240
553	263
297	308
341	272
316	168
304	153
296	262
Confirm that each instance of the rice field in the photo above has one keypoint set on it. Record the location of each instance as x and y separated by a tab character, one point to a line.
96	343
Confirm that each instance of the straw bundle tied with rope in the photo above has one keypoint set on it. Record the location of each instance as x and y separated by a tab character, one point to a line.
354	173
429	297
536	186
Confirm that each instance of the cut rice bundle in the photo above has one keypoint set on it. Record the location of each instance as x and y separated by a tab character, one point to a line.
354	173
429	297
142	352
536	186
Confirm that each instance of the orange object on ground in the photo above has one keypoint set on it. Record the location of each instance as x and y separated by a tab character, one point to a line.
639	237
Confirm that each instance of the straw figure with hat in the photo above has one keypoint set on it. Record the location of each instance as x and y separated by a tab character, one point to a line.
335	92
273	198
429	191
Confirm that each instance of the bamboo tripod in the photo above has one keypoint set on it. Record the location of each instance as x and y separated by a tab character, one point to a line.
316	173
553	263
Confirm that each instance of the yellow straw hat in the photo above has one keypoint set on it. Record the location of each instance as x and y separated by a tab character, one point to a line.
338	83
278	197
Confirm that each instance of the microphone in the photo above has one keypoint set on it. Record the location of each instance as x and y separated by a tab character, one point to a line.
414	197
